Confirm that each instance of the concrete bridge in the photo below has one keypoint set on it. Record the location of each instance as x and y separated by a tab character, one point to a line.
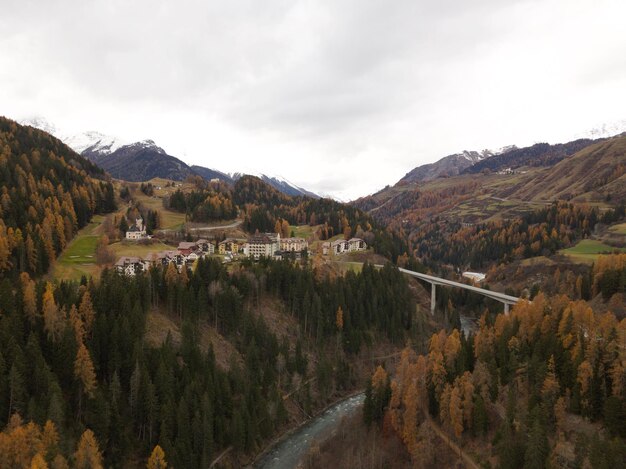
507	300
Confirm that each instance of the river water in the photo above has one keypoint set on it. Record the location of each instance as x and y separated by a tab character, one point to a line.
288	452
468	325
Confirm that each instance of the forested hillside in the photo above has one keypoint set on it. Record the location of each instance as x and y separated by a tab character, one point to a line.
208	202
263	206
134	396
538	233
523	382
48	193
597	173
90	380
539	154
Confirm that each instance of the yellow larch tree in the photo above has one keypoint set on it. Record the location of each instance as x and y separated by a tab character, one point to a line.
157	459
339	319
29	297
87	455
452	347
456	411
409	429
52	316
87	314
585	374
550	388
38	462
83	370
77	324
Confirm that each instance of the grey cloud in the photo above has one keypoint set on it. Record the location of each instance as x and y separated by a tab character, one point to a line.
337	80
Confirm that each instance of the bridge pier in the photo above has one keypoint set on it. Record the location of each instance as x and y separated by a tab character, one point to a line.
506	300
433	298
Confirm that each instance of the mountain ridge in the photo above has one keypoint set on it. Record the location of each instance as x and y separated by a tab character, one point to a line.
144	160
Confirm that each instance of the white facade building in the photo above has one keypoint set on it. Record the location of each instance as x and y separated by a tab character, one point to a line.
341	245
136	231
130	266
293	244
262	245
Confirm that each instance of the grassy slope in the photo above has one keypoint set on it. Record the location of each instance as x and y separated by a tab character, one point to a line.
169	220
132	248
578	177
588	250
78	258
581	177
618	229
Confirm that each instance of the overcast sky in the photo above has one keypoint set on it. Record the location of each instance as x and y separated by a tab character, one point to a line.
340	97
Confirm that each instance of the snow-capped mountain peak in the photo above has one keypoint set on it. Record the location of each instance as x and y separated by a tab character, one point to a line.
146	144
606	130
91	141
40	123
94	142
278	182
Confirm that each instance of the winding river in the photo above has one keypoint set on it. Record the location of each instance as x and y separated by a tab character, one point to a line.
290	450
287	453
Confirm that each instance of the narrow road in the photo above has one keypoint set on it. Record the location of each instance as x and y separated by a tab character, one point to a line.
234	224
519	201
383	204
469	462
221	227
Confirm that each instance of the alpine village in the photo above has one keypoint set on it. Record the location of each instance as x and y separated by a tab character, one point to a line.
157	312
478	319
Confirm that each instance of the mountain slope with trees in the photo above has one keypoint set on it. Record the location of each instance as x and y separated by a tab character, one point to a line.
48	193
81	382
595	173
141	161
523	382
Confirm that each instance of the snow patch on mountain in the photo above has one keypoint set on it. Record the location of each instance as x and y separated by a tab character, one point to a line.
278	182
606	130
41	123
94	142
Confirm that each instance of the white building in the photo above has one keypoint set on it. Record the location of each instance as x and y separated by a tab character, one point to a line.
130	266
262	245
293	244
136	231
341	245
356	244
205	246
476	277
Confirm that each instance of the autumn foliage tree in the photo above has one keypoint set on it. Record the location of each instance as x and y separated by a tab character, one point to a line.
547	358
157	459
87	455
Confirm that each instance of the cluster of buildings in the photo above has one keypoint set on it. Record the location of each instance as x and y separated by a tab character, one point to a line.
269	245
183	257
341	246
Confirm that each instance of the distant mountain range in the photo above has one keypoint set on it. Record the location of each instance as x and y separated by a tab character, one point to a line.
142	161
448	166
580	170
539	154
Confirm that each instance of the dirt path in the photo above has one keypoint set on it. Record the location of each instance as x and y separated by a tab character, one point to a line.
469	462
205	228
